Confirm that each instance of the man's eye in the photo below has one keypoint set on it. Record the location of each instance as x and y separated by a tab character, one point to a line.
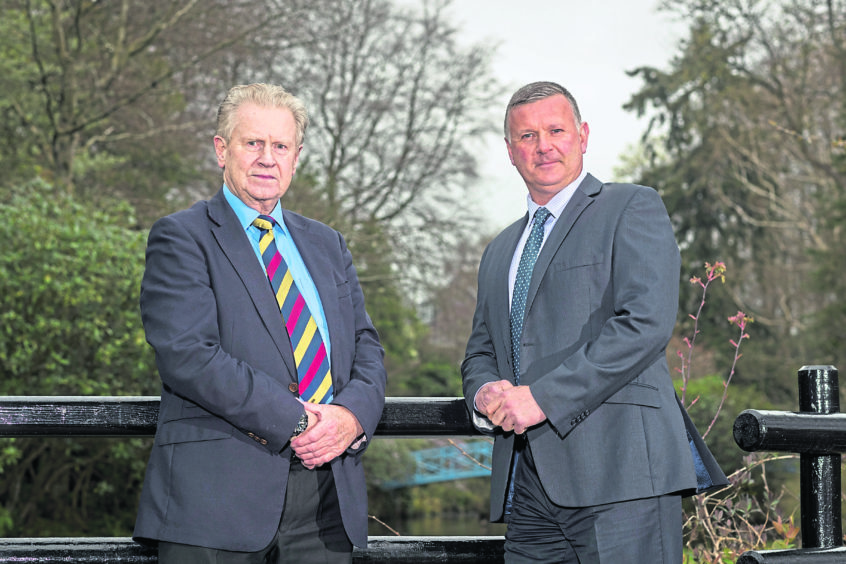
280	148
252	144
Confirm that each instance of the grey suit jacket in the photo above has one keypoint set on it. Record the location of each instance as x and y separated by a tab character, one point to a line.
218	469
600	310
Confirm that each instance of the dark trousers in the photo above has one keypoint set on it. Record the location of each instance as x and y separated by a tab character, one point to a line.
630	532
310	530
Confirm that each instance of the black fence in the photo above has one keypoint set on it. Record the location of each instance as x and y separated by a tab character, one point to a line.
818	434
136	416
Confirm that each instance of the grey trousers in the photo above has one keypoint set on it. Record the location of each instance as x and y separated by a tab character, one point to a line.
310	530
639	531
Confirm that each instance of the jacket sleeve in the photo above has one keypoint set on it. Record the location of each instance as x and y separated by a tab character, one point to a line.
480	362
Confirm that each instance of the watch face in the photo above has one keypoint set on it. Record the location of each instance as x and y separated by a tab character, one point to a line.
302	424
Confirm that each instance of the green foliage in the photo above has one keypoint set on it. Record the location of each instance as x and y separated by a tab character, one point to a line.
69	279
17	144
69	276
433	377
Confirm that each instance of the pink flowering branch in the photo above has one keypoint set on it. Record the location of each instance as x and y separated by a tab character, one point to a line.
713	272
741	320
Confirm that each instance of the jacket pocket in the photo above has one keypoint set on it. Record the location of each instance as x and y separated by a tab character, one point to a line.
192	430
584	259
637	394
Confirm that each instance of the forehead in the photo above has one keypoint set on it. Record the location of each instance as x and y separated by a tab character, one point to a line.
551	110
252	120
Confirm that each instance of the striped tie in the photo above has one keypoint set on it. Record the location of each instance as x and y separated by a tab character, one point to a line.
315	379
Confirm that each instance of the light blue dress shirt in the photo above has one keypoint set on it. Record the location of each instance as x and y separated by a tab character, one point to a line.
288	249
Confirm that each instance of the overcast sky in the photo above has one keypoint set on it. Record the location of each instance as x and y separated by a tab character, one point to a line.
584	45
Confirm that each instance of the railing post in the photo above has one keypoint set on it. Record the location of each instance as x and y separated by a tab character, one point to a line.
820	474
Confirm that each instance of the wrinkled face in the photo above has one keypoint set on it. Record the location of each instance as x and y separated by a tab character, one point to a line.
546	145
260	158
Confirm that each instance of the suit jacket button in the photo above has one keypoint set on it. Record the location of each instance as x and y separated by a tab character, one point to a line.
292	387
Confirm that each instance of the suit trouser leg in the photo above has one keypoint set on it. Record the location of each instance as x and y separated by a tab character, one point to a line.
628	532
314	531
311	529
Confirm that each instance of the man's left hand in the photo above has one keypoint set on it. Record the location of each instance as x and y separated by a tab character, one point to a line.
517	411
334	432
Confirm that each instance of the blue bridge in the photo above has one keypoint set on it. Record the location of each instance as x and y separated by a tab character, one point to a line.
459	460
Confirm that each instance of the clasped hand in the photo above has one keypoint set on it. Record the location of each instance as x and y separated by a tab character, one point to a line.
331	430
508	406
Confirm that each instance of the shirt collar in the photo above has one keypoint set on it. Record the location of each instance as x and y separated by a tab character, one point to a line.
246	214
558	202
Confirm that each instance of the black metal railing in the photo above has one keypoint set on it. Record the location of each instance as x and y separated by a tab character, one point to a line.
818	434
23	416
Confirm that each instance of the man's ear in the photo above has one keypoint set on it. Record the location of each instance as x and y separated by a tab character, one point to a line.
220	150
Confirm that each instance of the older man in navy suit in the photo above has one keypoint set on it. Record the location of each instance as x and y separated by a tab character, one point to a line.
566	362
272	374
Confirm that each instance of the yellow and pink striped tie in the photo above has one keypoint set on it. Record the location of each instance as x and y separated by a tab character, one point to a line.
314	376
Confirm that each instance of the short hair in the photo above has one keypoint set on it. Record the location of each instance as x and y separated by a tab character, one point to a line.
535	91
264	95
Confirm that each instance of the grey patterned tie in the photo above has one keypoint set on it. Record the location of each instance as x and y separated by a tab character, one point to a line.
521	285
518	308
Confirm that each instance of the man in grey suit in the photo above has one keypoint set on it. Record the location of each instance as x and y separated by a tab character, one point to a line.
272	374
566	363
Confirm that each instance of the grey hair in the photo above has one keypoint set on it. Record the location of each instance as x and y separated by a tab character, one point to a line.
263	95
536	91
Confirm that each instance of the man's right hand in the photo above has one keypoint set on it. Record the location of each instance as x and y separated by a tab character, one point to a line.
489	397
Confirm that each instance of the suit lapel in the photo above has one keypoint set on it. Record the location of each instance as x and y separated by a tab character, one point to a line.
235	245
581	199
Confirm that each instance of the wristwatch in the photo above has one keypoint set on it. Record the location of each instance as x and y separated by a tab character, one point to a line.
302	425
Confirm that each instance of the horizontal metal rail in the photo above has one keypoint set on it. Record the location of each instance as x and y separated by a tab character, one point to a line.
785	431
795	556
133	416
382	550
126	416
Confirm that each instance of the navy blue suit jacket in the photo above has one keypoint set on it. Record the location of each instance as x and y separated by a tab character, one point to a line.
218	469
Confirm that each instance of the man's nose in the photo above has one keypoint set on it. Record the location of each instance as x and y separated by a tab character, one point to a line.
266	156
544	144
